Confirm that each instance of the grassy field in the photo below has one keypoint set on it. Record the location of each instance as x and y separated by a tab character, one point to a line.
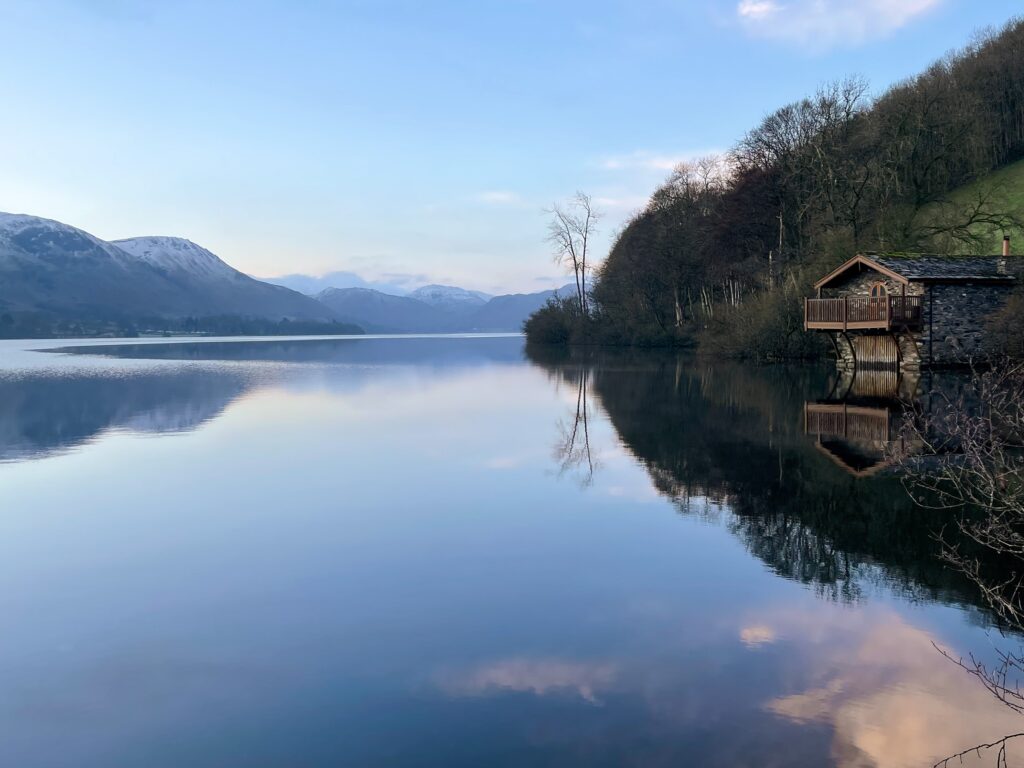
1005	189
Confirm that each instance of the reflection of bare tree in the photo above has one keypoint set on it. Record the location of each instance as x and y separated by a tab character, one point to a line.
573	448
983	480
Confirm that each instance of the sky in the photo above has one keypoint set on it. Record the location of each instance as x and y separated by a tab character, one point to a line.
410	141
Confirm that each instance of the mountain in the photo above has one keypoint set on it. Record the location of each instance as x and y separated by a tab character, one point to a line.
311	286
451	299
507	313
435	309
175	254
50	267
218	287
381	313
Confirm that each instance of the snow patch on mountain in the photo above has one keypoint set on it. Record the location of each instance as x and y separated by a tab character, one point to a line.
176	254
30	238
448	295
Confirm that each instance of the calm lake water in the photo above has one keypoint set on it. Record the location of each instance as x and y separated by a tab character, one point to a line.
415	551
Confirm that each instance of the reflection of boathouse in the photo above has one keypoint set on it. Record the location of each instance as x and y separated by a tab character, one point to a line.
859	438
859	426
909	311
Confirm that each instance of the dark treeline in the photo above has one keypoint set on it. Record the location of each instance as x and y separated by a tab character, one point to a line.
727	246
41	325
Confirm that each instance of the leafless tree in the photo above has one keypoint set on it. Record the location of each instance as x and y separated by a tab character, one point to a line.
976	445
573	448
570	232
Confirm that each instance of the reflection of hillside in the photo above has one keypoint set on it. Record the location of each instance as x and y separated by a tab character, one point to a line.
734	435
41	415
434	351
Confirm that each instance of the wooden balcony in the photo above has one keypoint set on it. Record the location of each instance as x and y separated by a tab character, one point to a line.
850	422
852	313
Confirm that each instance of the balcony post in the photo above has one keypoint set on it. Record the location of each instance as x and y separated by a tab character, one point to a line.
846	310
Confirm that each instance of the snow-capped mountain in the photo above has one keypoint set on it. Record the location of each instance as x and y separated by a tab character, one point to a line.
176	254
450	298
29	239
312	285
47	266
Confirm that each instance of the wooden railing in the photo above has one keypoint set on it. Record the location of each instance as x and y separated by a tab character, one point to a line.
862	312
847	421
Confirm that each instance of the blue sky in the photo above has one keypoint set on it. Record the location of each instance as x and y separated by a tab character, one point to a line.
410	141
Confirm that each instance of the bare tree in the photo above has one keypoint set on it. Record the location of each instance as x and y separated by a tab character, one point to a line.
976	443
573	448
570	231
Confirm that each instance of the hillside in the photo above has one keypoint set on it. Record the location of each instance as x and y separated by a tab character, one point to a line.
1004	189
435	309
509	312
379	312
52	270
727	247
216	287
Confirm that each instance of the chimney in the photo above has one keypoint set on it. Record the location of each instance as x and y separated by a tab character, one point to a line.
1003	263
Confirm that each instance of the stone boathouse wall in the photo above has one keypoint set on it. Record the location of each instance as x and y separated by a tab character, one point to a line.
953	329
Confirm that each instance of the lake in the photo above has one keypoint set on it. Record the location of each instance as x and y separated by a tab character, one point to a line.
445	551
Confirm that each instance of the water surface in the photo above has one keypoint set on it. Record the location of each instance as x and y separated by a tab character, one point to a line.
399	552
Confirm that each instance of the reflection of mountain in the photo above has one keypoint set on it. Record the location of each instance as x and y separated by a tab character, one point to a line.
435	351
41	415
44	413
734	435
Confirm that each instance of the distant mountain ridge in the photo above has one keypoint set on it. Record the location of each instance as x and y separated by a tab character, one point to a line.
51	267
378	312
443	312
311	285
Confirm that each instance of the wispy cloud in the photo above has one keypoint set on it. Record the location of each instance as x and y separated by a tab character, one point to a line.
823	24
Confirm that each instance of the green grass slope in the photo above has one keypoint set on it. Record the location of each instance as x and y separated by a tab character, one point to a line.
1003	191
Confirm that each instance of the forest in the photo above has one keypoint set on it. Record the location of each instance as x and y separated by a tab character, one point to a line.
726	248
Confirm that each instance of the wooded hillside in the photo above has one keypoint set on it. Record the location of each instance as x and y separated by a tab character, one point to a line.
727	245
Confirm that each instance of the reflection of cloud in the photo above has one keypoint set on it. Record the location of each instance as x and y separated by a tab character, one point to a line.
756	635
540	677
892	700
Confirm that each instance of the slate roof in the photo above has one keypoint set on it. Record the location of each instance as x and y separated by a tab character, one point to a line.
933	268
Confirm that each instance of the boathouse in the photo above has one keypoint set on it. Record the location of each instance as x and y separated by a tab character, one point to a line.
910	311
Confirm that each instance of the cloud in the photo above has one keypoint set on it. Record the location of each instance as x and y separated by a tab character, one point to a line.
890	698
757	9
822	24
541	677
756	635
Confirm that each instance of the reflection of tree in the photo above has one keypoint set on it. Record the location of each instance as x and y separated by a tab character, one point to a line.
983	481
573	449
729	439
